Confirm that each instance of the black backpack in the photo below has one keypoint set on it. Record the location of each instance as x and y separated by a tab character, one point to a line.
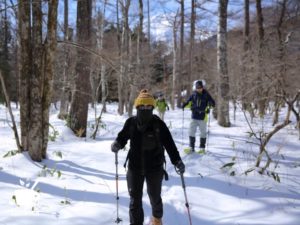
157	135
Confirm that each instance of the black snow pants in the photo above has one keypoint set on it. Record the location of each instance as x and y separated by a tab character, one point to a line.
135	183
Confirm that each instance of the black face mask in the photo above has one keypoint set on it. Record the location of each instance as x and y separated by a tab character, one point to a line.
144	117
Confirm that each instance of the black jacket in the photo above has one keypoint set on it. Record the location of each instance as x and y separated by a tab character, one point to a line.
146	153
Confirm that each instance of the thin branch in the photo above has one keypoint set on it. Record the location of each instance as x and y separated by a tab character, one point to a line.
14	127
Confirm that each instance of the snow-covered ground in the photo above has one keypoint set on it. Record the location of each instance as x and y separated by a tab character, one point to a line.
76	184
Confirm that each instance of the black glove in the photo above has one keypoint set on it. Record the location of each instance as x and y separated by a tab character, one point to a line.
180	167
115	146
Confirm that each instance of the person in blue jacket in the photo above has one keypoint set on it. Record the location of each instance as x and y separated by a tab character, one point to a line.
200	101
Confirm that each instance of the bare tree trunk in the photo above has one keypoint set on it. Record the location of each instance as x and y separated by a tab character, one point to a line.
180	85
104	89
14	126
25	68
4	47
82	93
64	101
246	60
122	93
100	85
192	40
260	92
133	87
37	74
50	49
36	108
243	79
223	90
174	73
280	84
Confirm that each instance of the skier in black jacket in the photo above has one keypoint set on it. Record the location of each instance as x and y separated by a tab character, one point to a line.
149	136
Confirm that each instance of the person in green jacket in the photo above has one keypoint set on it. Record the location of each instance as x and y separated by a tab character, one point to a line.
161	106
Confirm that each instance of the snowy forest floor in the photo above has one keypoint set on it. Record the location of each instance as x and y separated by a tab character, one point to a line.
76	184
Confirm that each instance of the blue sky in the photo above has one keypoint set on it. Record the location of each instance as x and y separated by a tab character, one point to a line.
162	13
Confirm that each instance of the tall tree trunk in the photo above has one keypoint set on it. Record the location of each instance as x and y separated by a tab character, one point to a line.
179	85
243	79
133	86
260	74
223	89
4	48
174	72
81	95
104	89
120	78
246	60
36	107
64	101
50	49
122	92
36	75
192	40
24	7
280	83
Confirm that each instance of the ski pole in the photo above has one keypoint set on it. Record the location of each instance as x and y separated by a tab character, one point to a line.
185	196
207	138
118	220
182	126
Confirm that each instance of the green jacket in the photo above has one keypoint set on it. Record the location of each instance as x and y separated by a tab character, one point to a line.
161	105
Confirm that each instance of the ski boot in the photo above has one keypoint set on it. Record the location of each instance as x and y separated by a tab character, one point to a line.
156	221
192	146
202	146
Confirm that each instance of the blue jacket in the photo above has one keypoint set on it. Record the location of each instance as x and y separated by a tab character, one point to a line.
199	104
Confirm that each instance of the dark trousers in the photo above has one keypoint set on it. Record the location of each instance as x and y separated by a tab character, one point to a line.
135	183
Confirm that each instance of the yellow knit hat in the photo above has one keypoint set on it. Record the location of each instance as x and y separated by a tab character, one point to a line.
144	98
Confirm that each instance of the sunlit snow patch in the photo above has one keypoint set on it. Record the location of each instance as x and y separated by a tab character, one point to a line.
26	198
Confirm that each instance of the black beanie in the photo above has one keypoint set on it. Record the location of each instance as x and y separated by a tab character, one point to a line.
199	84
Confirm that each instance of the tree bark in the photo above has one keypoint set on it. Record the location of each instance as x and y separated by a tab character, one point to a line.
24	9
36	92
36	75
259	84
174	72
192	40
122	93
104	89
50	49
81	94
133	85
280	83
64	101
223	89
181	85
